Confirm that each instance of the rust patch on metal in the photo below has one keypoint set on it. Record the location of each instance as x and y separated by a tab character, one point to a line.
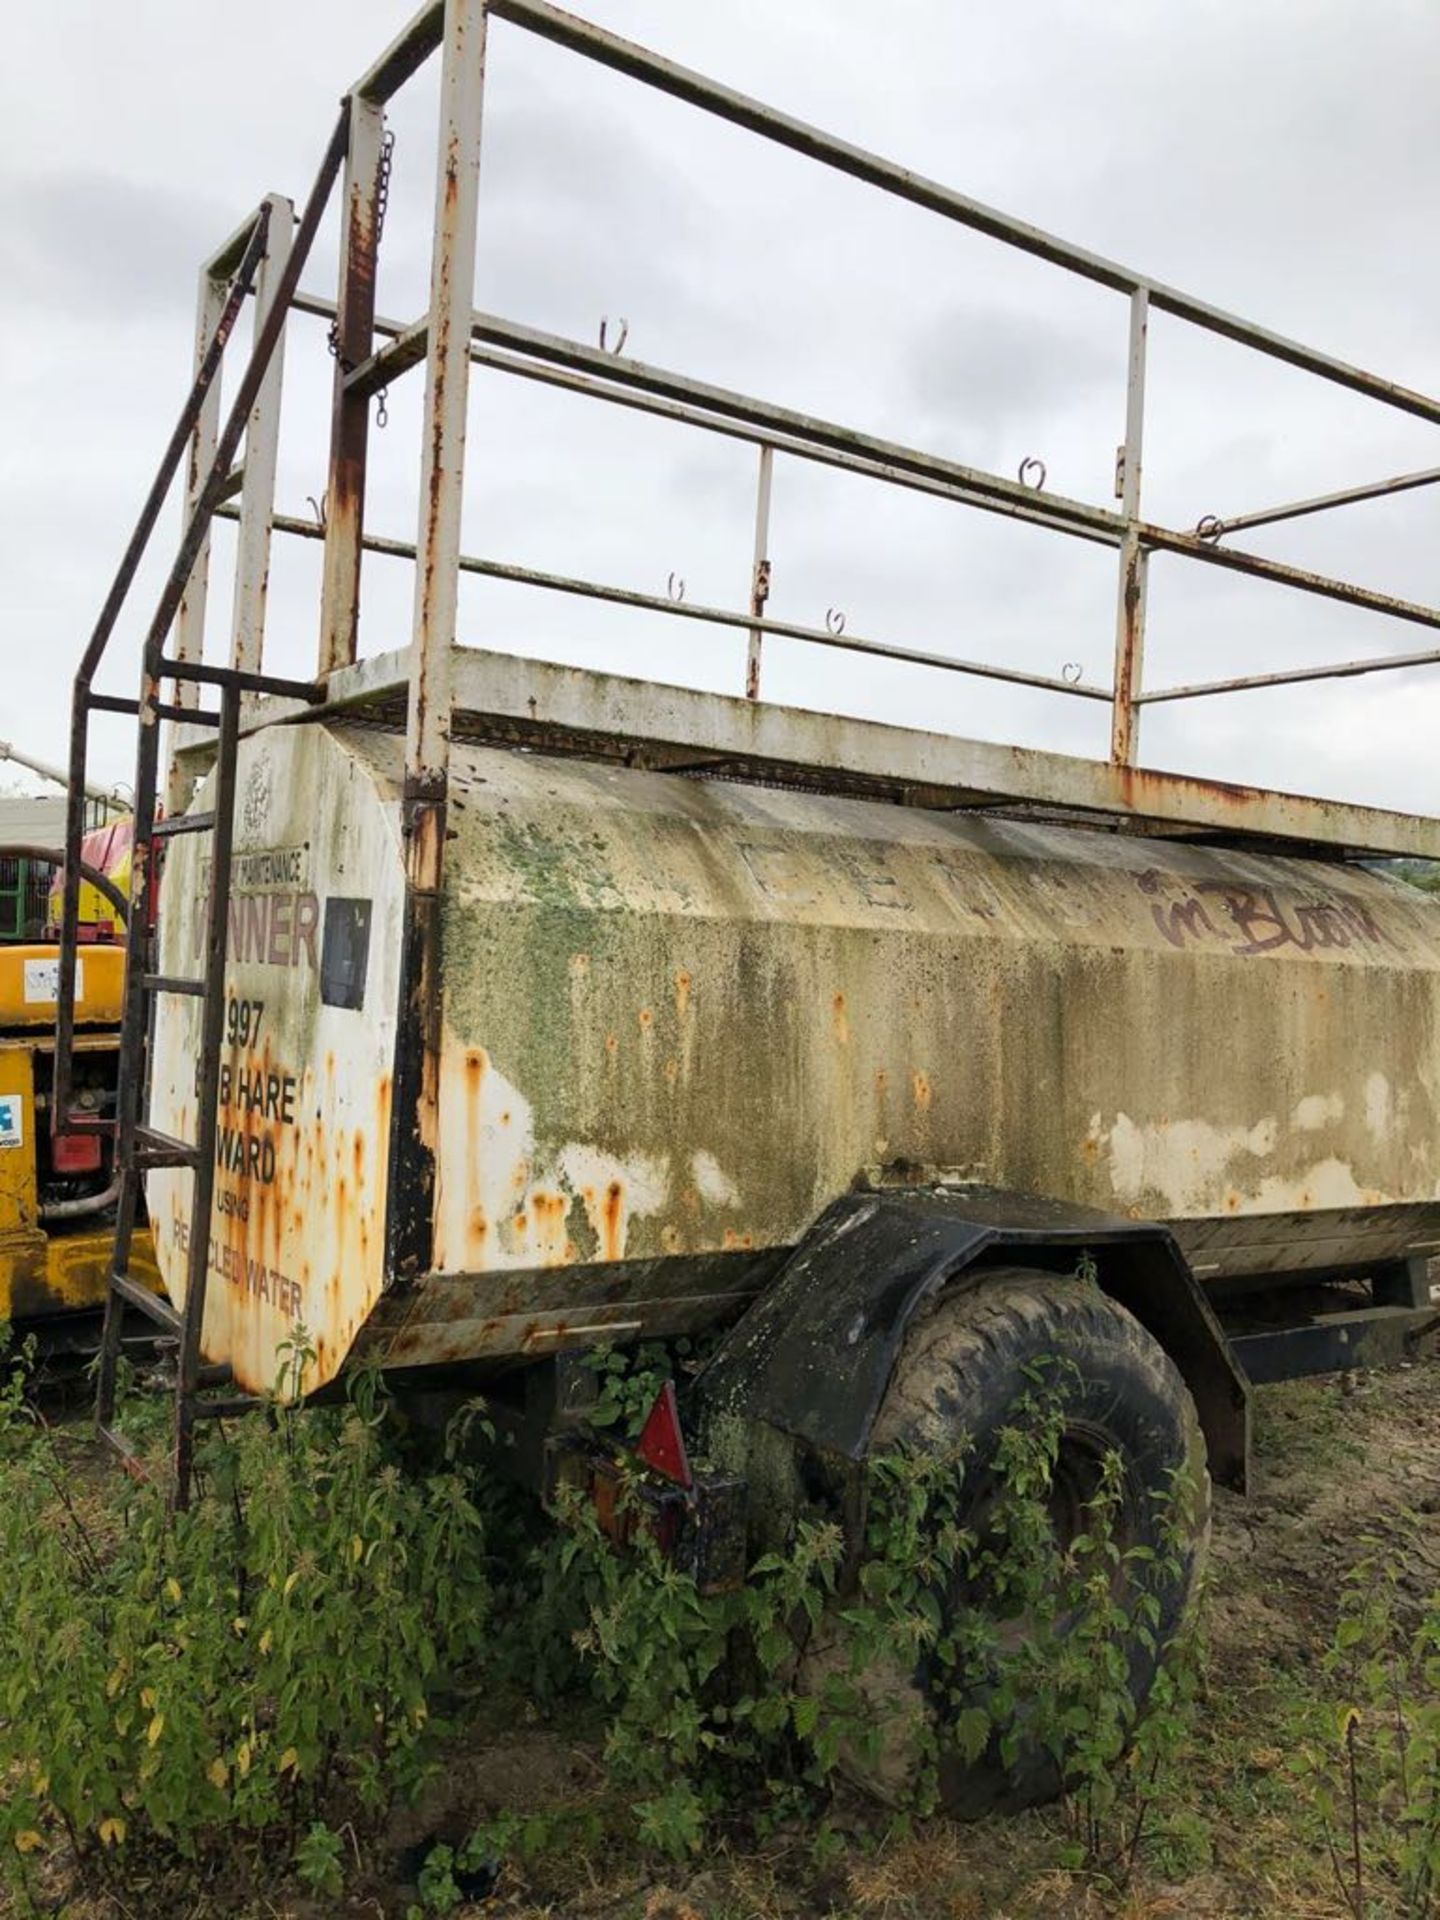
612	1222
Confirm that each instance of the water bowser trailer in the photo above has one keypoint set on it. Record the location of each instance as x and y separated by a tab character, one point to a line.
496	1010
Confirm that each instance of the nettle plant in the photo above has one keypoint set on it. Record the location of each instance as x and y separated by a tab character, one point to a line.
168	1679
627	1379
1053	1643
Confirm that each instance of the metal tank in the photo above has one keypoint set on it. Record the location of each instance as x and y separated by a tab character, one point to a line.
679	1017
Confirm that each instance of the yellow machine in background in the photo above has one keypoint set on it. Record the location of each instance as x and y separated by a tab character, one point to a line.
57	1192
106	850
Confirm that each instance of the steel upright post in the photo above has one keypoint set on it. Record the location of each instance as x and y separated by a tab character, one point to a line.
1134	560
760	571
353	340
447	385
189	643
416	1092
262	448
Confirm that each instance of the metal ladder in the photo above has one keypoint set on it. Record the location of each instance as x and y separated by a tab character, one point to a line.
138	1147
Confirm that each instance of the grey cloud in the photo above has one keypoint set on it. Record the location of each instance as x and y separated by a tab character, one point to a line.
581	211
983	365
549	146
89	240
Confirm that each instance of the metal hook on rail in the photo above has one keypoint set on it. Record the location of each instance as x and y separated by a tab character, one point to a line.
675	588
320	508
1030	465
834	621
1073	672
620	338
1209	528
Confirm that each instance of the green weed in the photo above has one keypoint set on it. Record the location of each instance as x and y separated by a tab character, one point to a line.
1370	1747
273	1665
170	1682
711	1704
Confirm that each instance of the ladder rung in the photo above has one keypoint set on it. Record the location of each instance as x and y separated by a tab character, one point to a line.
155	1305
216	1376
394	358
241	679
187	716
182	823
172	983
156	1149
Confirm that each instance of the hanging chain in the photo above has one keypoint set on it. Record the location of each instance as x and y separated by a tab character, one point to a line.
382	183
382	204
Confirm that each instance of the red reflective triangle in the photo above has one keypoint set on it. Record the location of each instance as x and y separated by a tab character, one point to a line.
661	1444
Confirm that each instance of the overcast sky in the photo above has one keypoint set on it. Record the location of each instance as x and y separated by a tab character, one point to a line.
1277	157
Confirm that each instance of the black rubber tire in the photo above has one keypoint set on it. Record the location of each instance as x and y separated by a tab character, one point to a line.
960	1372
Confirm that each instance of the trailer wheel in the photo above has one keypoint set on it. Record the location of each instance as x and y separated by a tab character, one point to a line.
961	1371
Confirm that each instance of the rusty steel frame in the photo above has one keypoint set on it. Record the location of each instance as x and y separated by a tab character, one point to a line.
722	410
189	639
414	1135
188	428
975	483
265	256
1214	528
503	698
507	347
450	337
728	425
843	642
609	49
262	450
353	339
447	387
1134	557
759	569
1293	676
977	488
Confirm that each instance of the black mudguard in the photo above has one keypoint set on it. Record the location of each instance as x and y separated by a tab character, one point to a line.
814	1355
